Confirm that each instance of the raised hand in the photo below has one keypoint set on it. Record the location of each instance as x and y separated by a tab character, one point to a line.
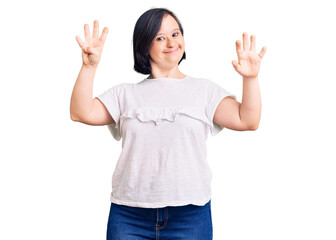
248	64
92	47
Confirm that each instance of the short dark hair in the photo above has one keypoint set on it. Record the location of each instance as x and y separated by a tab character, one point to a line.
145	30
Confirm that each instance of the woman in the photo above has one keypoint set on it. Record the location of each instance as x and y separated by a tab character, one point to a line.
161	184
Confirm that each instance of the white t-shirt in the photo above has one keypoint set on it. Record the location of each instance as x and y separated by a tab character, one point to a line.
163	124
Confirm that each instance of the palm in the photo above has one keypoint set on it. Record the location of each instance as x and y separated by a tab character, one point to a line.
90	58
248	64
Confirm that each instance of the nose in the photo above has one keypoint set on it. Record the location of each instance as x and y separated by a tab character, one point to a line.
170	43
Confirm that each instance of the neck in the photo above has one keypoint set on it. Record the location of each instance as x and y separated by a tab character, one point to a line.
166	73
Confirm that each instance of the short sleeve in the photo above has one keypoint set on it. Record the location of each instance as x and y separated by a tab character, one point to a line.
111	100
215	94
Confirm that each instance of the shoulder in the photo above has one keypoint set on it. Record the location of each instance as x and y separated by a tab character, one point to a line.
124	86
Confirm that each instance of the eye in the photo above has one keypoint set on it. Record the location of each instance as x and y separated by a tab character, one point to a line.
159	38
175	34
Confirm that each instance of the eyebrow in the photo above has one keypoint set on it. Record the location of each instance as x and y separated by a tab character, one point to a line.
172	31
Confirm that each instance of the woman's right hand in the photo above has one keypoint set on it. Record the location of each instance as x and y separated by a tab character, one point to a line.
92	47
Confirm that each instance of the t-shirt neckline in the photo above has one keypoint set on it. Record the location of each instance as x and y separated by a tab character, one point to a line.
166	79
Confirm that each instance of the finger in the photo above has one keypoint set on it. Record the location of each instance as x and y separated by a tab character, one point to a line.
245	41
104	34
253	43
87	32
262	52
95	30
238	46
79	41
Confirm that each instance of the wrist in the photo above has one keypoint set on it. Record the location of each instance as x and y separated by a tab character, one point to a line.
89	66
255	78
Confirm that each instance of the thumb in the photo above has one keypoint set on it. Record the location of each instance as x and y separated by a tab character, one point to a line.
87	49
90	50
236	65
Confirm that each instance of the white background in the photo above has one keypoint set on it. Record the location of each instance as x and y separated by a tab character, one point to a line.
274	183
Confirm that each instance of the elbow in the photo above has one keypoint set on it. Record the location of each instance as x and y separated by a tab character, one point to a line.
72	113
253	127
73	117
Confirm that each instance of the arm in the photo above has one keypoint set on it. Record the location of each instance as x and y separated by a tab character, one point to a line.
245	115
83	108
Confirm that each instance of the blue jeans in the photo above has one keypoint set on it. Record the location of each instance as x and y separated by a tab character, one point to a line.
189	222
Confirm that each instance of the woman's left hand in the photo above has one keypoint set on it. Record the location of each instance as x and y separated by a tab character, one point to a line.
248	64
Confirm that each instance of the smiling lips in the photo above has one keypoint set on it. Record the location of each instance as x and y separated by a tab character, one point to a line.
172	51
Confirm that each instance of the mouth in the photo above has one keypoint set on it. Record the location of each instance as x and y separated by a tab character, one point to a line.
173	51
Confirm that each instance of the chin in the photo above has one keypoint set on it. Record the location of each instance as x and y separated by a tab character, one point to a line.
176	57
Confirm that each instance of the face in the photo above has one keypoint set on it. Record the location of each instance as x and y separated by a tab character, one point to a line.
168	46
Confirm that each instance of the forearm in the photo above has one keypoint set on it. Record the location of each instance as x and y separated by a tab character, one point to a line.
250	108
81	98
